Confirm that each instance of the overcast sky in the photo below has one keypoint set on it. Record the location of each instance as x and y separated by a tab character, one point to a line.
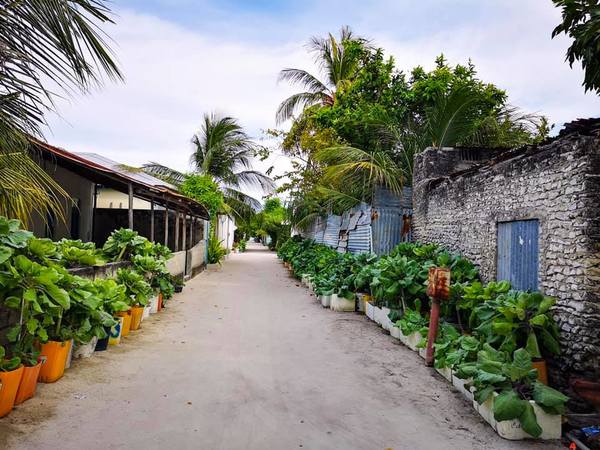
182	58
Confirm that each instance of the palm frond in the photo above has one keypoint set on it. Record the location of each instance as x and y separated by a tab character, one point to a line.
164	173
300	101
254	178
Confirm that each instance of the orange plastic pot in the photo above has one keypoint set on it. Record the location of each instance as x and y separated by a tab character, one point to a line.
160	301
28	383
8	390
54	356
126	315
542	370
136	317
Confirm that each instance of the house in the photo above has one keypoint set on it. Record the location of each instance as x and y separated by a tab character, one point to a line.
530	215
104	196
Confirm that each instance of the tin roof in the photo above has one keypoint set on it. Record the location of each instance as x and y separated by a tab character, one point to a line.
102	170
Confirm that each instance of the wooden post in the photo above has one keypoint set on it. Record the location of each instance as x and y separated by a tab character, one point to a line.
167	224
184	230
152	219
177	230
192	225
131	206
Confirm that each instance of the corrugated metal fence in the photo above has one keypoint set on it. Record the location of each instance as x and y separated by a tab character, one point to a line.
376	228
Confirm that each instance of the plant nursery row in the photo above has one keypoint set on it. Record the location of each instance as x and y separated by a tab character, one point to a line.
56	315
492	341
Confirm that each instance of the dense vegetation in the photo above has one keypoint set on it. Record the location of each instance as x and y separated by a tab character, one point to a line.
54	304
489	333
361	128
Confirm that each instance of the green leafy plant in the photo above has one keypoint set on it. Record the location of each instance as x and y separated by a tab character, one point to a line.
124	243
8	364
75	253
216	251
137	289
515	381
112	295
412	321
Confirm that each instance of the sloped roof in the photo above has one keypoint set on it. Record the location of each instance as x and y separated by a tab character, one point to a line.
142	177
102	170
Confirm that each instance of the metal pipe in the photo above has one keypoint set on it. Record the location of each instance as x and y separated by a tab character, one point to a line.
130	207
152	219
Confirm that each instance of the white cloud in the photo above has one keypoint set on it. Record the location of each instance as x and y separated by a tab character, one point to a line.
175	74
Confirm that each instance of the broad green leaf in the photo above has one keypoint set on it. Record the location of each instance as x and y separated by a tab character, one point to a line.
548	398
481	395
532	345
5	253
42	334
59	295
32	325
539	320
508	406
12	302
13	333
529	421
546	304
23	264
30	295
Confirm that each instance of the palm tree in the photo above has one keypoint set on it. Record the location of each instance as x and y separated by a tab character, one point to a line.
57	44
337	62
225	152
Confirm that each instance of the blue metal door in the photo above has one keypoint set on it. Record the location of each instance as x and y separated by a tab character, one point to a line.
518	253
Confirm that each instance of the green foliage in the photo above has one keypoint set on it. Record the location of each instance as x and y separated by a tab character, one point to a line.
203	189
581	22
137	289
8	364
515	381
216	251
412	321
75	253
124	243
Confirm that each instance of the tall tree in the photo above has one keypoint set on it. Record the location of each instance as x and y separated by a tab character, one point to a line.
336	58
581	22
47	48
223	151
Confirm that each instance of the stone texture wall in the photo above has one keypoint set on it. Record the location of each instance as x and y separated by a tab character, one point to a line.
459	200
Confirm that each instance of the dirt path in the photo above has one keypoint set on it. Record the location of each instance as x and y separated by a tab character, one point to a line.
246	359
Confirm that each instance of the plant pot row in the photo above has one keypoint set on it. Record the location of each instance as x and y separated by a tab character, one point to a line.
508	429
19	385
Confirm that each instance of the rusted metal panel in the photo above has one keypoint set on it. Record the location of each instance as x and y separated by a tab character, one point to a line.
332	230
391	219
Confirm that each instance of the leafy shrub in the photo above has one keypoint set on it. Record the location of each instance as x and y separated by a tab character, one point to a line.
216	251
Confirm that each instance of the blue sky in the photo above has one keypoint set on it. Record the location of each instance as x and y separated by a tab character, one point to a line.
182	58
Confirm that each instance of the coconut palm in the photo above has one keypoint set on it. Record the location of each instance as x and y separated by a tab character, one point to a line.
46	47
225	152
336	61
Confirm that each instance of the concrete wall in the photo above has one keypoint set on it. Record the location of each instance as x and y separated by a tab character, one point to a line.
81	191
225	229
460	199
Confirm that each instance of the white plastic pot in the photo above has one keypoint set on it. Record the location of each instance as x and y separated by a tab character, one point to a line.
446	372
146	313
385	321
412	340
85	350
377	315
326	301
360	301
459	384
70	356
370	311
512	429
423	352
395	332
342	304
486	410
154	304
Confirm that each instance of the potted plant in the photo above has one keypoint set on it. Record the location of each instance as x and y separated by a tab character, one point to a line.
137	291
11	371
113	300
509	396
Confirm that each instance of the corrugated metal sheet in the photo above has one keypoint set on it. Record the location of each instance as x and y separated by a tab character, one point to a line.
391	219
332	231
319	231
359	239
518	253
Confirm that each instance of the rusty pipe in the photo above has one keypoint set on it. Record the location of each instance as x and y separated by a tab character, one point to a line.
434	319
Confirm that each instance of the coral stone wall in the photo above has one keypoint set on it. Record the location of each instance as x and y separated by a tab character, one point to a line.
459	200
